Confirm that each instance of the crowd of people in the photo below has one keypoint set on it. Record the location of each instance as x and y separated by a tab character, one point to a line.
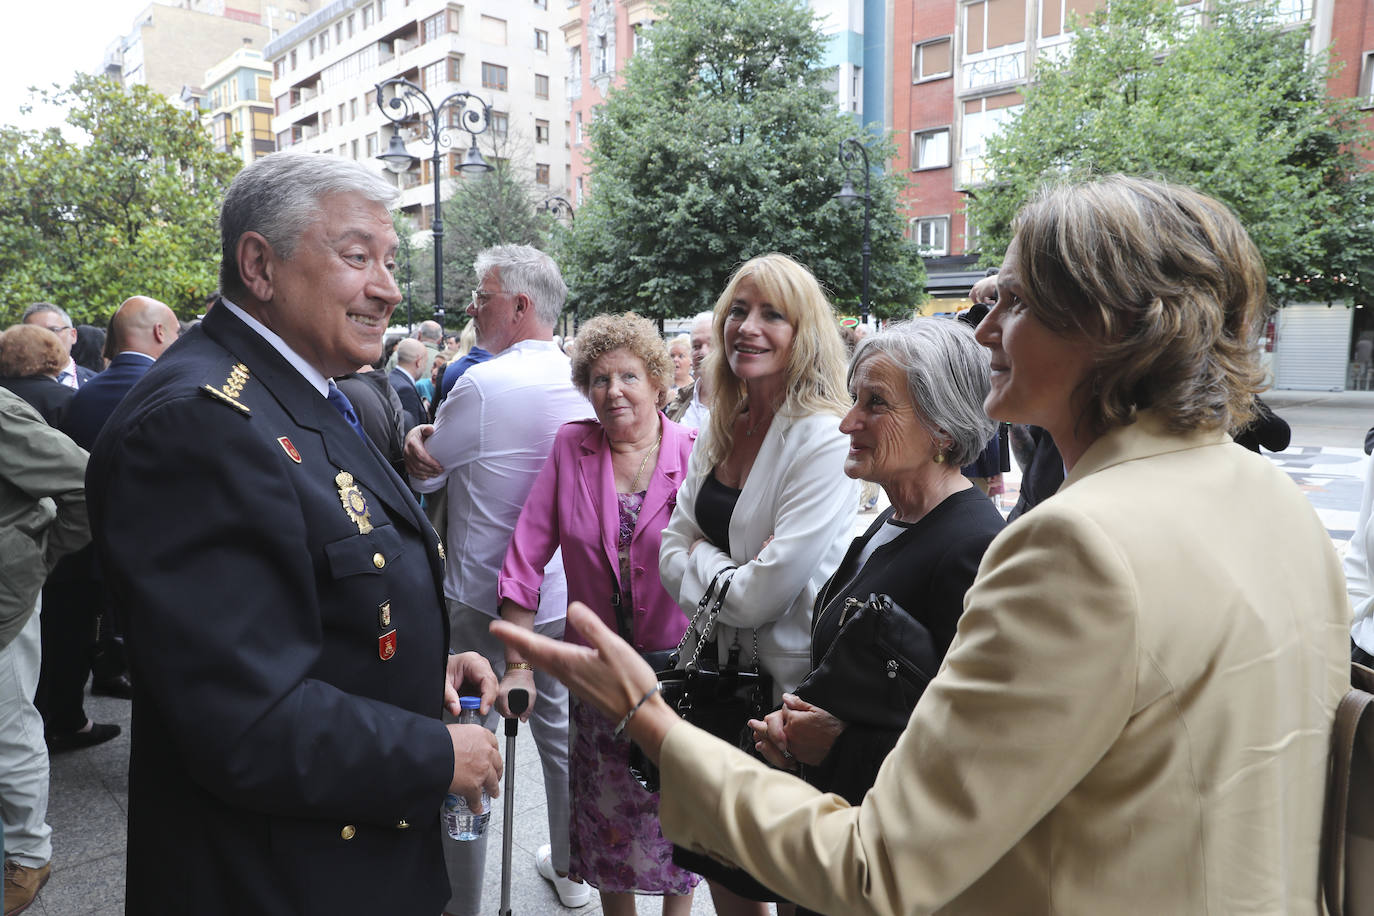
1119	702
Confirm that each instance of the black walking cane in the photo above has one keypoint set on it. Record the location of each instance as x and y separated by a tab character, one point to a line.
517	700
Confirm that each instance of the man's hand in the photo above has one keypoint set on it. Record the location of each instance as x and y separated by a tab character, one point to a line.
470	668
770	739
519	678
420	464
476	764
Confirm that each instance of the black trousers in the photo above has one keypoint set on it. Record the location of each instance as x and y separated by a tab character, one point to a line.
72	599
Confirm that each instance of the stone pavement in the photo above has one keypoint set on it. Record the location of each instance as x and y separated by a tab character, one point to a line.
89	797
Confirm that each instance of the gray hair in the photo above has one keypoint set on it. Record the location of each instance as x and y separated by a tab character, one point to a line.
947	374
46	307
527	270
429	330
702	318
278	197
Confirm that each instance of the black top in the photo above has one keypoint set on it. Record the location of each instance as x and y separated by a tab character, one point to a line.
715	506
926	570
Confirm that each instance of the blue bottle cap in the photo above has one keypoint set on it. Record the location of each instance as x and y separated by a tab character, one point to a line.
470	702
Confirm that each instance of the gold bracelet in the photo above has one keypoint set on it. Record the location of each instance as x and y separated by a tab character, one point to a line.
519	666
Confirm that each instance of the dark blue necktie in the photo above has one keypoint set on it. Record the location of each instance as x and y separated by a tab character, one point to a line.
339	401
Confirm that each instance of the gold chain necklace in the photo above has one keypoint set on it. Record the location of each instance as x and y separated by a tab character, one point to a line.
634	484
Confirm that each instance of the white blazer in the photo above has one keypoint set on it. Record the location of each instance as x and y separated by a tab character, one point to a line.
797	494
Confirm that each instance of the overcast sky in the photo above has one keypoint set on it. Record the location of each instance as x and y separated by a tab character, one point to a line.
50	40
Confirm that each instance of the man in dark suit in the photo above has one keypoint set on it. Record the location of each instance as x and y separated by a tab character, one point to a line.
282	588
410	359
47	315
140	330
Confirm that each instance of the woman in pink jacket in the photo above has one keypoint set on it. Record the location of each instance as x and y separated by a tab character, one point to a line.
604	496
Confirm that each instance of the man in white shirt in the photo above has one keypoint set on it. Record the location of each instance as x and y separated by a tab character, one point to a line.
691	407
488	442
47	315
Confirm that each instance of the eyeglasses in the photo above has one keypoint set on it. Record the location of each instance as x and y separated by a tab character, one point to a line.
481	297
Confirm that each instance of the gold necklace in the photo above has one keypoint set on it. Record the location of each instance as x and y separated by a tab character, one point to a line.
634	484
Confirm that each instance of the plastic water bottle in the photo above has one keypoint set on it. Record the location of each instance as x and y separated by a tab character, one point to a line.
462	823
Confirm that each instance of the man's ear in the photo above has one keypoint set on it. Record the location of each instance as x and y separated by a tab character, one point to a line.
255	259
523	304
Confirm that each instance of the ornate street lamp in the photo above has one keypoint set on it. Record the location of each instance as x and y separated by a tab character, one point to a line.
558	207
410	103
854	156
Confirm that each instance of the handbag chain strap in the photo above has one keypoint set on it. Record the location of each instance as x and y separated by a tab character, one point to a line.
705	607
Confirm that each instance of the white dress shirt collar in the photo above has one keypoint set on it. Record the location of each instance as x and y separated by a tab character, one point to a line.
312	375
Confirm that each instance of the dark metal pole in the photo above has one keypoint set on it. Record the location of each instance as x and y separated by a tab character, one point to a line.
437	226
868	216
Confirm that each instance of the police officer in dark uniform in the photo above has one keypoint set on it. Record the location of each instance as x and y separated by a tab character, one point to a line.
281	586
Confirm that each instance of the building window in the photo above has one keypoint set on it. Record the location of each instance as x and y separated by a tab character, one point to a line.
441	23
353	111
541	86
368	13
541	40
371	145
930	149
932	235
338	32
434	75
994	43
578	194
640	39
325	120
312	48
324	41
350	25
341	113
500	123
982	118
603	56
541	173
541	131
493	30
293	58
354	147
577	127
932	60
493	76
264	89
1366	98
279	68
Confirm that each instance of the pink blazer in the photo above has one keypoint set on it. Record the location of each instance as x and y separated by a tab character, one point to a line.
573	505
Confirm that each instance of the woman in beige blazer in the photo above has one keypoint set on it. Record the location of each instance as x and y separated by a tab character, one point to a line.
1134	715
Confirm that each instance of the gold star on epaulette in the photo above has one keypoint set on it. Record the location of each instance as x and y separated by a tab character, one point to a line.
231	389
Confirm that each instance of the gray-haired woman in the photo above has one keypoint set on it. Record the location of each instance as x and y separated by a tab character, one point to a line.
918	392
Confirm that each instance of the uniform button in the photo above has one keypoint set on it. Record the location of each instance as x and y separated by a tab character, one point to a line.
348	832
378	560
403	824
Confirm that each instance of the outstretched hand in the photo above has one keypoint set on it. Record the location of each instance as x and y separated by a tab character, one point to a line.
607	673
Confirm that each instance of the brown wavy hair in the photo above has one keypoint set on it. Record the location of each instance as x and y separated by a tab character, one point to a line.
1163	282
629	332
30	349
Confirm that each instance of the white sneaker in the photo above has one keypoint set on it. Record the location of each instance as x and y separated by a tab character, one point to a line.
573	893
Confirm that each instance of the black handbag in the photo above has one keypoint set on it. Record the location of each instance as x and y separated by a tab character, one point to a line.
720	699
876	668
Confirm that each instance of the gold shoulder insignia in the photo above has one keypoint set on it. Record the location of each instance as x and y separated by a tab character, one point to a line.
232	387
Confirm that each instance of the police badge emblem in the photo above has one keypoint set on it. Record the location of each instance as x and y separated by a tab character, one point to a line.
354	503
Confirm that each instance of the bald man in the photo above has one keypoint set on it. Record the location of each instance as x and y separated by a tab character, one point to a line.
412	358
140	330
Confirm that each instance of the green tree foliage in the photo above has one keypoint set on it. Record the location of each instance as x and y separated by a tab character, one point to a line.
499	207
723	144
130	208
1233	106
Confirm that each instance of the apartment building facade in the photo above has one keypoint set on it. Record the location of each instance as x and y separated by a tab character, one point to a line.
325	72
170	45
959	67
236	105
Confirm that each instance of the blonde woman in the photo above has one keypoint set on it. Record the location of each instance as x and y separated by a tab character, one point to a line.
765	491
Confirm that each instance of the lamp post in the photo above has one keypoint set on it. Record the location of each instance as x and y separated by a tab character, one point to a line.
558	207
853	155
409	102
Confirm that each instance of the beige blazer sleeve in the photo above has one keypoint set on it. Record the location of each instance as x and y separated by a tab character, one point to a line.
1037	686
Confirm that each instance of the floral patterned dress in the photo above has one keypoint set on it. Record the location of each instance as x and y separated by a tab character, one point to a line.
617	845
